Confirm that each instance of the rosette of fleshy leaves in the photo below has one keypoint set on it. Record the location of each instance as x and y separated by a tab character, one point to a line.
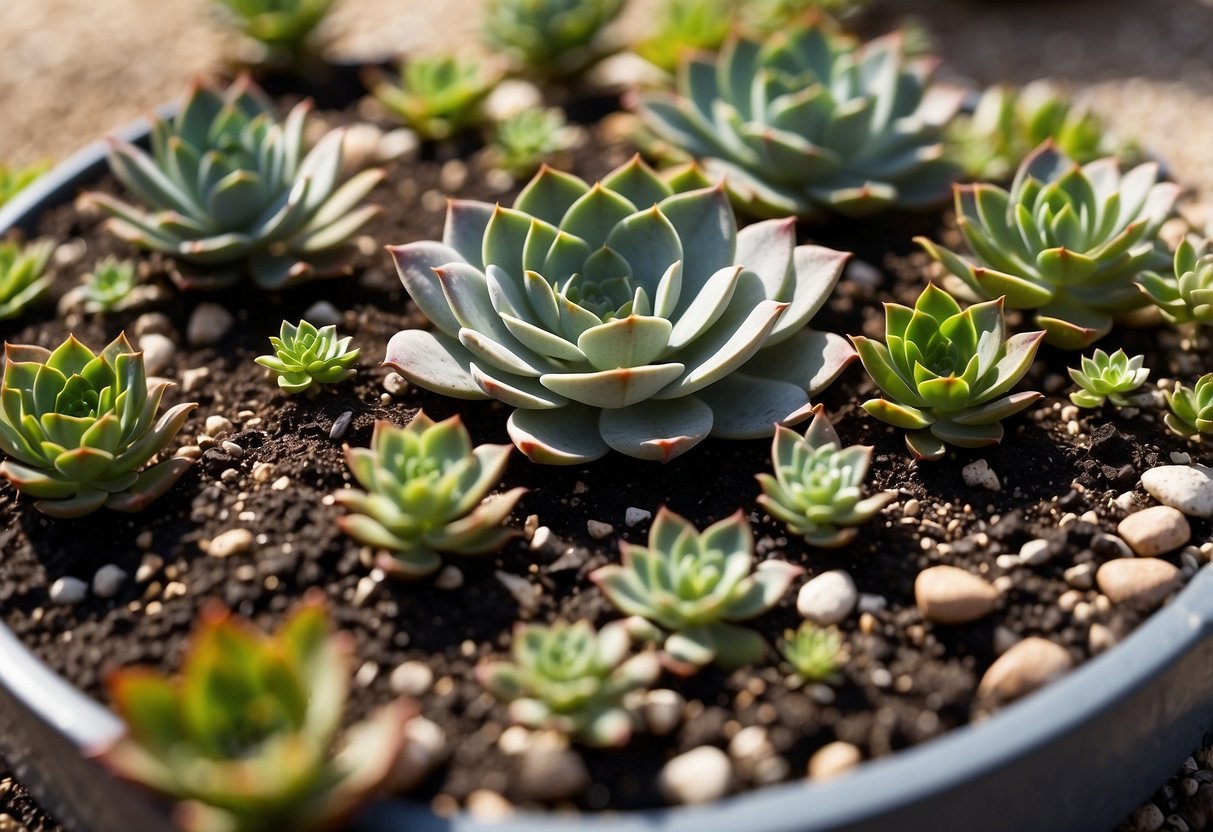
814	653
686	28
1185	295
15	178
230	190
526	140
284	29
1068	241
425	488
306	357
1191	408
689	589
768	16
807	123
572	679
817	489
78	426
620	316
555	40
946	373
1103	377
436	96
23	276
112	286
244	737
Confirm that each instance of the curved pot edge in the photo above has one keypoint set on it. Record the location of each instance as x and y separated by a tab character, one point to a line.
1076	756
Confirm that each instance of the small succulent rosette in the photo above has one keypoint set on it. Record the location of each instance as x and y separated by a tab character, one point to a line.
554	40
24	280
814	653
1185	295
1191	408
620	316
1108	378
306	358
437	97
282	27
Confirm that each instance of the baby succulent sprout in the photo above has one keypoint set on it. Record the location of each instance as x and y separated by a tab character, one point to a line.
814	653
14	179
806	123
556	40
621	316
524	141
571	679
818	484
690	588
284	29
23	277
1067	241
437	97
110	287
305	357
1104	377
229	190
78	427
685	28
1191	407
1185	296
425	495
946	374
244	737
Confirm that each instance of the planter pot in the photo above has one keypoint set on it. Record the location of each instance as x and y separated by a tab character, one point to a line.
1078	756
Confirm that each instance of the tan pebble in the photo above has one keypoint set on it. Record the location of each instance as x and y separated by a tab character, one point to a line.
1137	580
230	542
833	759
488	806
599	530
281	484
1026	666
1100	638
949	595
1155	530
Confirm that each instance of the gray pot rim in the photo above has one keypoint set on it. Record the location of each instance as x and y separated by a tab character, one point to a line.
1078	755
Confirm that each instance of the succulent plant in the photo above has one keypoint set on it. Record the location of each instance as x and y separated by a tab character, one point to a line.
571	679
14	179
696	586
553	39
817	487
527	139
282	27
1067	241
77	427
231	191
1186	294
110	287
620	316
425	495
305	357
244	737
814	653
23	277
685	28
438	97
806	123
1191	407
769	16
1104	377
947	373
1008	124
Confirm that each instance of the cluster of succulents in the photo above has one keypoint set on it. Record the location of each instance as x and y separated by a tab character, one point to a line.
16	178
23	276
528	139
1191	408
556	40
306	357
1185	296
284	29
1108	378
437	97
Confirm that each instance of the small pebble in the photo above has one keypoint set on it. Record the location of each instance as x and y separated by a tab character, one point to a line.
192	378
950	595
1035	552
599	530
488	806
1026	666
550	774
833	759
395	384
1155	530
662	710
425	747
979	474
108	580
1109	545
701	775
158	353
1138	580
541	538
634	516
1100	638
1081	576
230	542
208	325
411	678
322	313
449	578
340	425
911	508
217	426
828	598
68	590
1187	488
1147	818
232	449
524	593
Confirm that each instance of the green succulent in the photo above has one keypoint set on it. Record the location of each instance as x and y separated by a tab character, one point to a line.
110	287
425	495
77	427
1106	377
1186	294
282	27
805	123
814	653
696	586
1067	241
946	372
244	737
438	97
685	28
23	277
571	679
232	191
770	16
14	179
1008	124
1191	407
620	316
527	139
305	357
553	39
818	484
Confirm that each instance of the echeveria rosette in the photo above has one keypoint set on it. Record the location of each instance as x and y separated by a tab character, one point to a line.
556	40
806	123
814	653
306	357
1191	408
278	24
77	427
947	373
571	679
817	489
230	190
438	97
112	286
23	276
525	140
695	587
1103	377
425	495
244	737
1068	241
620	316
1185	295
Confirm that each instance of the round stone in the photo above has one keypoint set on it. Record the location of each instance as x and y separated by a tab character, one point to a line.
1026	666
550	774
949	595
979	474
833	759
208	325
424	748
1137	580
1155	530
158	353
411	679
68	590
108	580
829	598
701	775
1188	488
230	542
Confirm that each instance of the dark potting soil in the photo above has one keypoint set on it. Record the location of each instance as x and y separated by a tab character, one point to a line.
906	681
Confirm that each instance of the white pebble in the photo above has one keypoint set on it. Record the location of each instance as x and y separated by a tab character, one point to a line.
979	474
411	679
701	775
208	325
68	590
230	542
829	598
158	353
1035	552
217	426
634	516
108	580
1186	488
833	759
